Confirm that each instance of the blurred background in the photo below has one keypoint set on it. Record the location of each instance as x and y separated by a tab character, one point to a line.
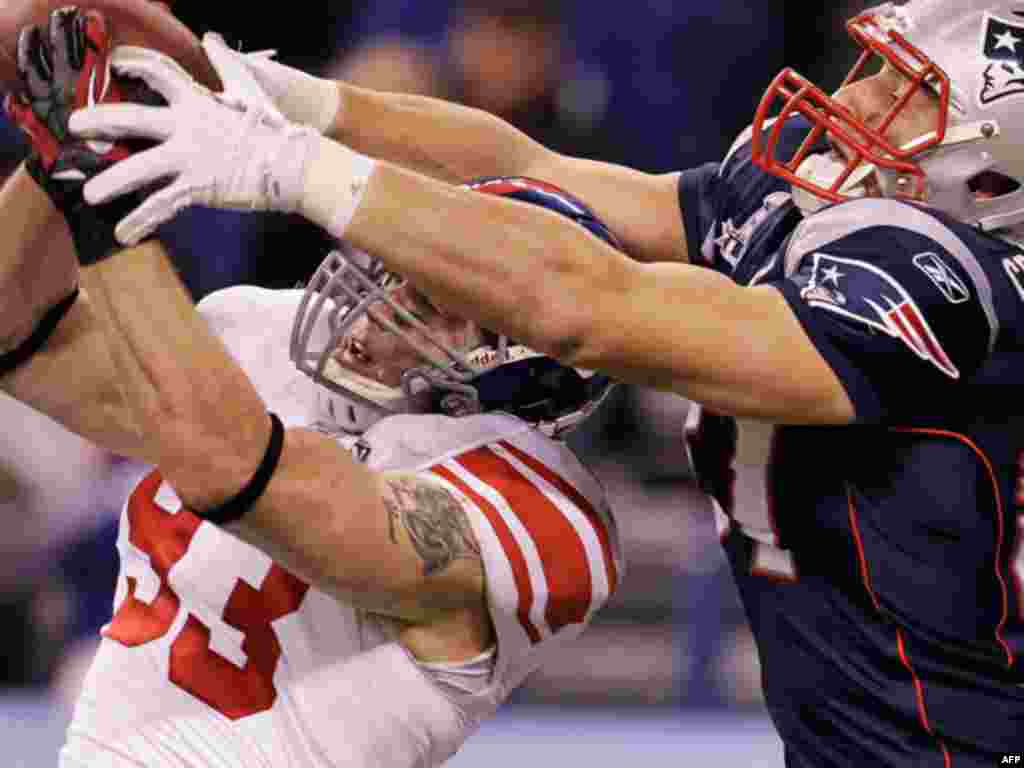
669	670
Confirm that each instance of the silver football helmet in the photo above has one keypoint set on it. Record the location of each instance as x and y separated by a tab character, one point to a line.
492	373
970	53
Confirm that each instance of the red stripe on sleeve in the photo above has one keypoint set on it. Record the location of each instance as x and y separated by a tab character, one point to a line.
562	554
581	501
520	572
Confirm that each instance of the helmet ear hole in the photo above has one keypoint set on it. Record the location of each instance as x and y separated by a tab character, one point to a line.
989	185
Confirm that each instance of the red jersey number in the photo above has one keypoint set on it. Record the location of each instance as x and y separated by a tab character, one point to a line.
233	691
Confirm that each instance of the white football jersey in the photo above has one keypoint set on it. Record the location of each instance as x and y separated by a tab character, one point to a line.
218	657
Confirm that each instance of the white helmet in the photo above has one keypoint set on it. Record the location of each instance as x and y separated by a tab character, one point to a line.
499	374
971	54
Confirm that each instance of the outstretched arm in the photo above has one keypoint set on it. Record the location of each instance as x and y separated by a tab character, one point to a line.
516	268
58	358
526	272
456	143
133	358
394	544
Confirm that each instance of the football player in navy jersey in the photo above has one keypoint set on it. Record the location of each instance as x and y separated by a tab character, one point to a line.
843	294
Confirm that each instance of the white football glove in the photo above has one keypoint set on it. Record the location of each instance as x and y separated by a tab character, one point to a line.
231	150
301	97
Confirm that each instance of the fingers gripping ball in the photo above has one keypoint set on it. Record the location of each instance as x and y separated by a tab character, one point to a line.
63	67
231	150
133	22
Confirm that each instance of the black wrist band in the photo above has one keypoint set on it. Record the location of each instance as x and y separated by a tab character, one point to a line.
233	509
19	355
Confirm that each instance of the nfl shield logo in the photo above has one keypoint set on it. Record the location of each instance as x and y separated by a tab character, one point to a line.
1003	48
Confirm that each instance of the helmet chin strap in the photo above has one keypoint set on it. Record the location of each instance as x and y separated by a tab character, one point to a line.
823	170
355	403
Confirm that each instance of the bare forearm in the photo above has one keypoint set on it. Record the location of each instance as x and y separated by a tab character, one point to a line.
529	273
205	423
71	378
37	260
322	514
209	431
316	517
434	137
456	144
394	543
515	267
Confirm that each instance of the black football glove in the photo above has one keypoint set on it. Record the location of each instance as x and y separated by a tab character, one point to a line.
63	68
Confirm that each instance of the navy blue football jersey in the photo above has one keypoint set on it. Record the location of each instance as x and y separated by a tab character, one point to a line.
881	564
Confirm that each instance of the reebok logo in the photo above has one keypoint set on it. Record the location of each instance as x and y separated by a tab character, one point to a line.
945	279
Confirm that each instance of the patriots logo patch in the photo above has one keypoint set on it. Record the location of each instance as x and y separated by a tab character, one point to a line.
1003	48
872	297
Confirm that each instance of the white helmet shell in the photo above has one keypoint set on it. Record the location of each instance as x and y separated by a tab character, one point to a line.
971	54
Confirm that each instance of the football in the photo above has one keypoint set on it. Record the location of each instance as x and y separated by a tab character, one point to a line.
134	22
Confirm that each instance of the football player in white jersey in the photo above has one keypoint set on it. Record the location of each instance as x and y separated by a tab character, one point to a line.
407	471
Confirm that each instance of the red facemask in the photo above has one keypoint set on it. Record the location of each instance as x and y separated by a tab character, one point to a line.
860	144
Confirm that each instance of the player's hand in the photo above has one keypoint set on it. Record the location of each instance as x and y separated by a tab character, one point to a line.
300	97
232	150
64	67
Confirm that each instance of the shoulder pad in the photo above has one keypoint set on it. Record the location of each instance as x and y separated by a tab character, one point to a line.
893	237
413	441
862	220
232	306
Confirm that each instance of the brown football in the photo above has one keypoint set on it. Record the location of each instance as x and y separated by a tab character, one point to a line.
134	22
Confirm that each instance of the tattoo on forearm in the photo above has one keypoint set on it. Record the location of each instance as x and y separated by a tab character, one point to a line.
434	520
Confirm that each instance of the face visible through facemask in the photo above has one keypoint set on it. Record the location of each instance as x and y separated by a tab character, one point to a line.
888	116
885	103
375	352
876	100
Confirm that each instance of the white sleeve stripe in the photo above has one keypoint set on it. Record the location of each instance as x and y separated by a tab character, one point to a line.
535	568
562	553
598	516
505	569
600	589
